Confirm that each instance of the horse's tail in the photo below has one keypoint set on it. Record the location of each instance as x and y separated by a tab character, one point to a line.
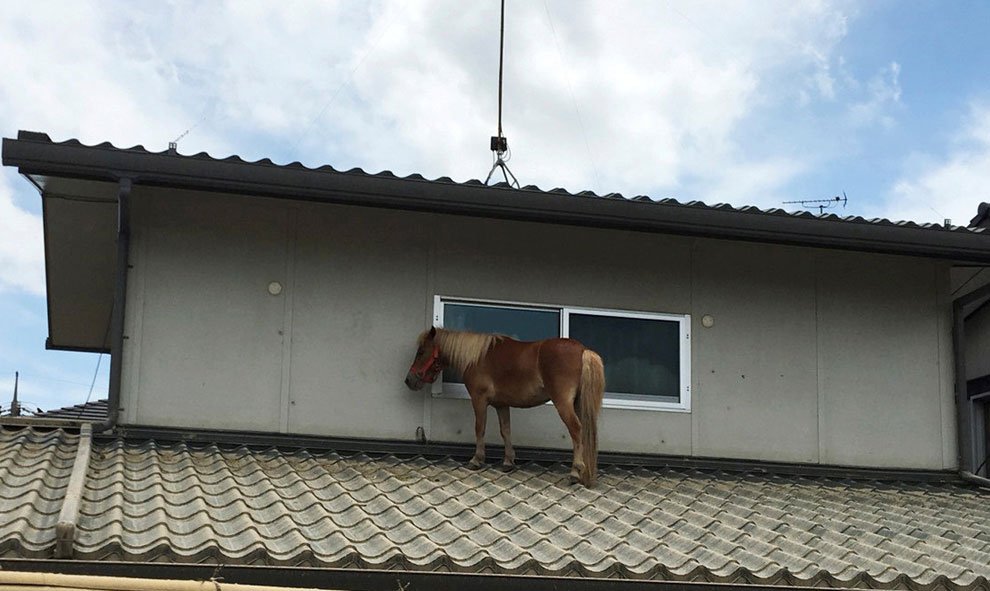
590	395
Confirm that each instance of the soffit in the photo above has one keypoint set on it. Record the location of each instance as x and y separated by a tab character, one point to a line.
80	227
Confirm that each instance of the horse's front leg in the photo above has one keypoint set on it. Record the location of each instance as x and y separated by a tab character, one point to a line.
480	405
509	461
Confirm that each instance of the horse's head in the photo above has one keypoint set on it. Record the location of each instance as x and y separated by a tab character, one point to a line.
426	366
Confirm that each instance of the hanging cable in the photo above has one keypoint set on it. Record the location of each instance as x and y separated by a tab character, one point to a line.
96	372
499	145
349	79
501	52
570	89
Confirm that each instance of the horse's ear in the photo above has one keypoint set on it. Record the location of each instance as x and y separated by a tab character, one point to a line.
433	331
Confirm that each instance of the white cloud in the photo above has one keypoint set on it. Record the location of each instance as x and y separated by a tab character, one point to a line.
21	249
761	184
664	90
410	86
883	93
951	186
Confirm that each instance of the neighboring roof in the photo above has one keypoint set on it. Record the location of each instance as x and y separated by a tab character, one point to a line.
94	411
982	218
153	501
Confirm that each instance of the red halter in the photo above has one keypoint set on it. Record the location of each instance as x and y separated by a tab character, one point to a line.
430	368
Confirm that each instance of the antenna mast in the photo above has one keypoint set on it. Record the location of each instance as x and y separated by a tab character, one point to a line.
821	204
500	145
15	406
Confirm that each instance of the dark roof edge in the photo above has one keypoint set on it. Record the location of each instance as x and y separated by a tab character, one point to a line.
540	455
36	154
371	579
52	346
982	216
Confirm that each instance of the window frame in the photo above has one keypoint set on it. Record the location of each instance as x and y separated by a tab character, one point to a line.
440	389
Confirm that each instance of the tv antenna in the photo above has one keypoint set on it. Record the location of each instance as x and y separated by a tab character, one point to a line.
821	204
500	145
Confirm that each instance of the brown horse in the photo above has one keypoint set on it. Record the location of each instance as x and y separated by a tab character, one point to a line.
503	372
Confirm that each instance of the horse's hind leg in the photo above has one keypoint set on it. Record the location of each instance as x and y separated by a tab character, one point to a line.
509	461
565	408
480	418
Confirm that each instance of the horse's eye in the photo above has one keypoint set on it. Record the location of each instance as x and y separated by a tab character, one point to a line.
419	352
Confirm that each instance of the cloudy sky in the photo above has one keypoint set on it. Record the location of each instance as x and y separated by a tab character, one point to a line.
755	102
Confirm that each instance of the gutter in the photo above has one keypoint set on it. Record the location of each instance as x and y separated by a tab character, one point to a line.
973	478
435	450
964	406
119	300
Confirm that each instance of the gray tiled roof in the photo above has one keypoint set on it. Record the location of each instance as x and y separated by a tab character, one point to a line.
34	472
93	411
154	501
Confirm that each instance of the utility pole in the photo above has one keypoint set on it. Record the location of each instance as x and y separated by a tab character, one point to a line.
15	406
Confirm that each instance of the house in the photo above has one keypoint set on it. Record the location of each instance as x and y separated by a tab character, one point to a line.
792	399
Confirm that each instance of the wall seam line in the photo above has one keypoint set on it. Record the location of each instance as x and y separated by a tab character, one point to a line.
818	356
292	218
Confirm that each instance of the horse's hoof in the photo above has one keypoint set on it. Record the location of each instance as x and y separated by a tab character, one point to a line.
574	479
508	467
472	465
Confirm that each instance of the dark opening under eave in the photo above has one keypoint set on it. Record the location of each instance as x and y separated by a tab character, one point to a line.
80	224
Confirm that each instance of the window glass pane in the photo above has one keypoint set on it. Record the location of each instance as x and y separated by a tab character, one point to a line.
641	355
519	323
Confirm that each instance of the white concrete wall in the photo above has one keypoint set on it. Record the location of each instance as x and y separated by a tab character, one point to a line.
815	355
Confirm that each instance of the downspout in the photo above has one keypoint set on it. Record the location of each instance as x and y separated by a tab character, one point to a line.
119	296
964	415
978	480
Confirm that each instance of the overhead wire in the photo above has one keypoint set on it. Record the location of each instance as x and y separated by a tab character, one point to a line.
99	360
570	89
92	383
46	378
202	119
348	79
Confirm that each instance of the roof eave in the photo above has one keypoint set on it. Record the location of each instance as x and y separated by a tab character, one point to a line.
36	155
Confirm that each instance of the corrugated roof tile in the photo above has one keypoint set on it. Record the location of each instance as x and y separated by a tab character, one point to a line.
386	174
175	502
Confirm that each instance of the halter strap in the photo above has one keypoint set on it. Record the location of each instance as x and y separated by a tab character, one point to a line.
430	368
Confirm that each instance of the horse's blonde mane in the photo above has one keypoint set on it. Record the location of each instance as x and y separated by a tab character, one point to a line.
461	350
